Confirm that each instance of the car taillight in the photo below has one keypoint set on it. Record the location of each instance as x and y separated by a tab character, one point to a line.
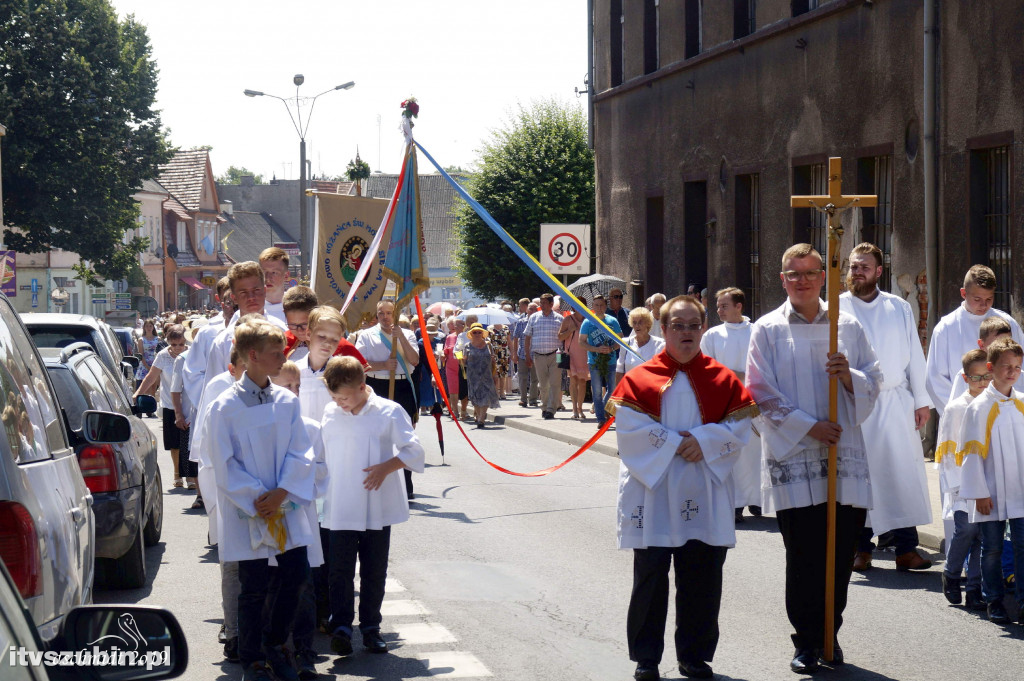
98	468
19	547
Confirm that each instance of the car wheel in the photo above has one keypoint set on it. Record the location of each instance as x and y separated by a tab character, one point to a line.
155	523
130	569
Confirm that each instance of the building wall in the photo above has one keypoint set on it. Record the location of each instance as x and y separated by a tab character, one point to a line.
842	80
280	199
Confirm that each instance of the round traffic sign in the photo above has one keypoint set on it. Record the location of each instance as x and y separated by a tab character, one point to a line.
565	249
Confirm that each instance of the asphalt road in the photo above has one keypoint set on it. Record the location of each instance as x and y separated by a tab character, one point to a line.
514	578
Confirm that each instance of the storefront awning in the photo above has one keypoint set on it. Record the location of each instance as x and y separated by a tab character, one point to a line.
194	283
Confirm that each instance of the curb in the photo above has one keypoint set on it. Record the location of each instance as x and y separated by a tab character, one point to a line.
568	438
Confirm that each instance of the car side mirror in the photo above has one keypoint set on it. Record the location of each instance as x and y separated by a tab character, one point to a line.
132	361
138	642
105	428
144	404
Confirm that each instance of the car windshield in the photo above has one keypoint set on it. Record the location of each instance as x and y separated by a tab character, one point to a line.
61	336
69	395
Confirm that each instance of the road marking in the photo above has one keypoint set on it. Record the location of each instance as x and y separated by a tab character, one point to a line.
392	586
402	608
453	665
417	633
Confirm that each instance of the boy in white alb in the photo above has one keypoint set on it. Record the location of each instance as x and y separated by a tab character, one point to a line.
993	473
366	438
965	539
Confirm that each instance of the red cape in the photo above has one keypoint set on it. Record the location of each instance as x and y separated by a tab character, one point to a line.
344	348
720	394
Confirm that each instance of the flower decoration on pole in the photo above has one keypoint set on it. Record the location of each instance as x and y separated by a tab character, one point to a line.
357	171
410	108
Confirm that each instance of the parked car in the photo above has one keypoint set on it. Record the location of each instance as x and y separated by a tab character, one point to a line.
58	330
154	633
127	336
46	519
124	478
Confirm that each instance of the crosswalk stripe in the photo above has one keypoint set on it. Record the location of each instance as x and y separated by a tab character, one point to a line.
453	665
417	633
402	608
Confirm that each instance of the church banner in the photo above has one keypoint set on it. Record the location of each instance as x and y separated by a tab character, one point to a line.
346	225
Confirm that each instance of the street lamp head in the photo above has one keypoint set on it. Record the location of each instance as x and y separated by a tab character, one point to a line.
298	79
253	93
347	86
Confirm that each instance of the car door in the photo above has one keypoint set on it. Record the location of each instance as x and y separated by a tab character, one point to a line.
49	479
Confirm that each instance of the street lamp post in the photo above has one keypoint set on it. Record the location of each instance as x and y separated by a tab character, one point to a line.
301	127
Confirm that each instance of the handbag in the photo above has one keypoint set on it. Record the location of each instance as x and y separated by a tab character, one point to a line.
564	358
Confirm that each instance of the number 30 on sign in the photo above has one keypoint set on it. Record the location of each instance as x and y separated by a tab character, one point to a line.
565	249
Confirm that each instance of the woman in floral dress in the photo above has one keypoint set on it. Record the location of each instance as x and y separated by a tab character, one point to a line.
499	346
146	348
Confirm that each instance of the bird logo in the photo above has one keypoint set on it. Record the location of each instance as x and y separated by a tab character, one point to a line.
132	638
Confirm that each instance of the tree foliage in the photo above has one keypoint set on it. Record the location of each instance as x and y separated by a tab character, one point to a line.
77	89
233	175
536	169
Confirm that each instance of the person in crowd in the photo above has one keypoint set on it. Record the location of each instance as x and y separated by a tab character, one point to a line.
194	372
366	439
455	373
992	479
682	420
579	370
274	263
146	348
899	488
160	374
647	346
602	355
498	340
541	340
654	304
621	314
479	360
297	303
529	386
422	376
788	370
184	415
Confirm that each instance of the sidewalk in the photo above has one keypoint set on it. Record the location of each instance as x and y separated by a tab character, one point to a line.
576	434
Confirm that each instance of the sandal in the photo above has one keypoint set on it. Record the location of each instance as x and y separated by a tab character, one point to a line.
190	485
178	482
198	503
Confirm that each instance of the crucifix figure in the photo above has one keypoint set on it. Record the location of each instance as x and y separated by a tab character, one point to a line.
833	205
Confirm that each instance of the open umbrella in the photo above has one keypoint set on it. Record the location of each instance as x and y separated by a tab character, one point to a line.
488	315
593	284
440	308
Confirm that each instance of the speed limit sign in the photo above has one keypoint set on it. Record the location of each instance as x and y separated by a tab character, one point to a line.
565	249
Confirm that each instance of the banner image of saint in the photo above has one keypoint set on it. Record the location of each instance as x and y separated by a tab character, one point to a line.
351	257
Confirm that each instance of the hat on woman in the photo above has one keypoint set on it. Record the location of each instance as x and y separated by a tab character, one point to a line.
477	328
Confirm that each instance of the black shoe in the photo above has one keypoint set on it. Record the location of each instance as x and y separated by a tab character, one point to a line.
257	671
974	600
341	643
754	511
696	670
305	660
280	661
374	642
951	589
534	403
231	650
837	655
997	613
222	638
805	661
547	415
522	404
646	671
739	515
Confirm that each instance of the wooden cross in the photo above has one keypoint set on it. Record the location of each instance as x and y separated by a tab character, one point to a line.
832	205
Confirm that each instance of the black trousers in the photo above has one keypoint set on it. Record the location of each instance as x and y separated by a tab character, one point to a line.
267	601
698	573
405	396
804	534
372	547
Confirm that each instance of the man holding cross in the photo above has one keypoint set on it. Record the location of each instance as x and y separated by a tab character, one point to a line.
788	370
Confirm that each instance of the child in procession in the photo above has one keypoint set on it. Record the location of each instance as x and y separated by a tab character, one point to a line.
326	333
367	439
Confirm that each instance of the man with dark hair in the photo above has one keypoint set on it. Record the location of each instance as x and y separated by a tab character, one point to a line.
899	487
615	309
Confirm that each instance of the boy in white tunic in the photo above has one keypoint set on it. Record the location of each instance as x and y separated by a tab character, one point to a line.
993	473
957	332
964	542
728	343
367	439
681	421
263	464
899	487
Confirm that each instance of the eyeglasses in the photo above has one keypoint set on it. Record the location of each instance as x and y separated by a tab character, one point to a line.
679	327
298	327
977	378
806	275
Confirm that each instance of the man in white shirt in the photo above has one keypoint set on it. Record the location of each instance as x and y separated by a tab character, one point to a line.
788	369
728	343
161	373
194	371
957	332
899	487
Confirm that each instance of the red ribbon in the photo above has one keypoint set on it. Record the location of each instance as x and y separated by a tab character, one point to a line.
432	361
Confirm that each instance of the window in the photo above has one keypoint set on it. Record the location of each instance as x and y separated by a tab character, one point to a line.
748	241
874	176
803	6
991	217
744	18
70	395
615	52
112	393
182	237
810	225
651	28
693	28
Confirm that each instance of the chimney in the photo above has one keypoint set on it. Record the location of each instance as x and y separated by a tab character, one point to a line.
227	207
247	180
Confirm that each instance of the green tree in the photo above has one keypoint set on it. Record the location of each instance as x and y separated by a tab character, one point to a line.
357	171
77	90
536	169
233	175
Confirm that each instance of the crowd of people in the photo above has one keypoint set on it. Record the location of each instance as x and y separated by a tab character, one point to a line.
292	429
